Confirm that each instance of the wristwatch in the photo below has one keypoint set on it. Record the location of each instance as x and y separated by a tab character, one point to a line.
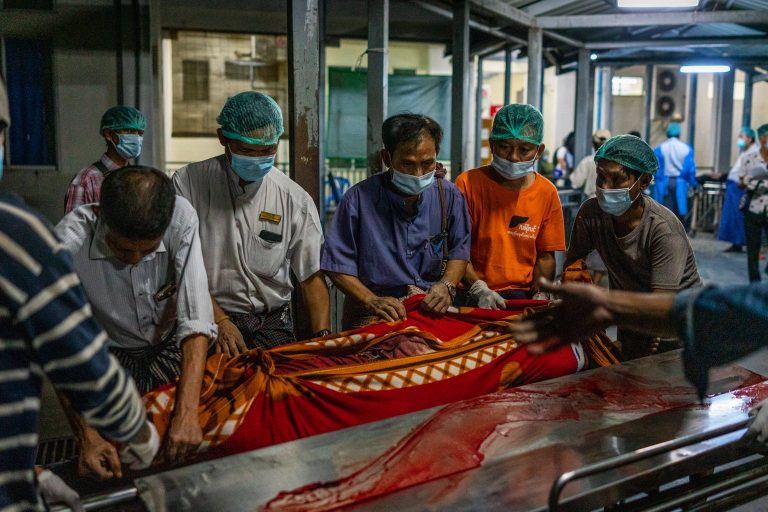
322	333
451	287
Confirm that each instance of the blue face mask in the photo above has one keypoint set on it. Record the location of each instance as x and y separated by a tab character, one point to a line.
615	201
513	170
2	157
412	185
252	168
741	143
129	145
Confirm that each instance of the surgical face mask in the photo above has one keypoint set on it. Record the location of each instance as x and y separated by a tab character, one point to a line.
412	185
741	143
615	201
252	168
129	145
513	170
2	157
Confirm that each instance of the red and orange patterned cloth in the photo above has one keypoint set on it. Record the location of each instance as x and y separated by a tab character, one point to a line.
264	397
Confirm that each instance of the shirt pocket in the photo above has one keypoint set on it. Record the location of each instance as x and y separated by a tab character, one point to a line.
265	258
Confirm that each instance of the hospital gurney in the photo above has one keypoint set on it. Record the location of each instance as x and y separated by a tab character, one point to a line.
707	206
632	434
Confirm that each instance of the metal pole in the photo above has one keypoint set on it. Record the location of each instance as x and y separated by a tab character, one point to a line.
535	66
507	74
584	105
378	82
460	89
724	120
746	112
693	87
479	113
648	103
606	99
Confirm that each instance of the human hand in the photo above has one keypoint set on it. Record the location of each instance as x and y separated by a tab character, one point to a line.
438	299
387	308
140	451
53	490
230	340
183	438
98	458
540	295
758	423
486	298
580	312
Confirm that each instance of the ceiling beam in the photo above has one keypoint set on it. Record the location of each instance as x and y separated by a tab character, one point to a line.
506	12
544	6
445	13
728	61
647	19
682	42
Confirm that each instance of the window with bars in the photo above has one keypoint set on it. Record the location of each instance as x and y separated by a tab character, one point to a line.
195	80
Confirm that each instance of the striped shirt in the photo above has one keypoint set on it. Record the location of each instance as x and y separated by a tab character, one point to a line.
46	328
124	296
85	187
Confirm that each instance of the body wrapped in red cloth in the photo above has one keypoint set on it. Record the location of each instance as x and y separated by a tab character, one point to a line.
381	370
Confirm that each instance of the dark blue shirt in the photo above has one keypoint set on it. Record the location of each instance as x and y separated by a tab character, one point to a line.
46	328
374	239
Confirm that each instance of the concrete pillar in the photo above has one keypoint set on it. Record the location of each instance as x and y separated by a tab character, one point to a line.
585	95
306	95
378	81
460	89
723	120
535	66
135	78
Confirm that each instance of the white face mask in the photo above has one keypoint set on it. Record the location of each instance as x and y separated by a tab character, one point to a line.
514	170
412	185
615	201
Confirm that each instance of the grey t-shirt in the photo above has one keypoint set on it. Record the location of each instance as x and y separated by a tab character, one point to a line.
655	255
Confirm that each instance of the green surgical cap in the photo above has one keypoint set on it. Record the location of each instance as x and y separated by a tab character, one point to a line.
123	117
518	121
253	118
749	132
762	130
674	130
630	151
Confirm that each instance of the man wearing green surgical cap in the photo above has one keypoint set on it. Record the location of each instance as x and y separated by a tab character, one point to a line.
642	243
517	220
123	130
256	227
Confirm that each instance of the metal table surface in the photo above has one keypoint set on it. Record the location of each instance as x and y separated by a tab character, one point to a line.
496	452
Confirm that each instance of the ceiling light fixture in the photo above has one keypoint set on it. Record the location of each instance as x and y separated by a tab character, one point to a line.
705	68
657	4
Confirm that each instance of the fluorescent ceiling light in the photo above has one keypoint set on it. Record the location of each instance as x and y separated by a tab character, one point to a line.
704	68
657	4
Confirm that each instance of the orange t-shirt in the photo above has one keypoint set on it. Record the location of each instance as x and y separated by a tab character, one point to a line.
509	228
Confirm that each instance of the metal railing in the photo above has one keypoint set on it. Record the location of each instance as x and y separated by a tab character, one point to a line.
746	481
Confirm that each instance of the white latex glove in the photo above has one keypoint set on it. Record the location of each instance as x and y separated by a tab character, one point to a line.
137	456
54	490
758	424
486	298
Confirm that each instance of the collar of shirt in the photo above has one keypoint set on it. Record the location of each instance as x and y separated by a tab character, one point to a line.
108	162
250	189
100	250
398	201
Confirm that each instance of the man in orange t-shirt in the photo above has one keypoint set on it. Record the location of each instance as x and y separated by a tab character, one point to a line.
517	221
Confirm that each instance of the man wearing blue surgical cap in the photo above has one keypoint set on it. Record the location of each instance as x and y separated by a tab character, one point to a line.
257	227
677	170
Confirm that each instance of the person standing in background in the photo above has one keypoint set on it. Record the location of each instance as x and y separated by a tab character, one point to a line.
677	170
732	220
